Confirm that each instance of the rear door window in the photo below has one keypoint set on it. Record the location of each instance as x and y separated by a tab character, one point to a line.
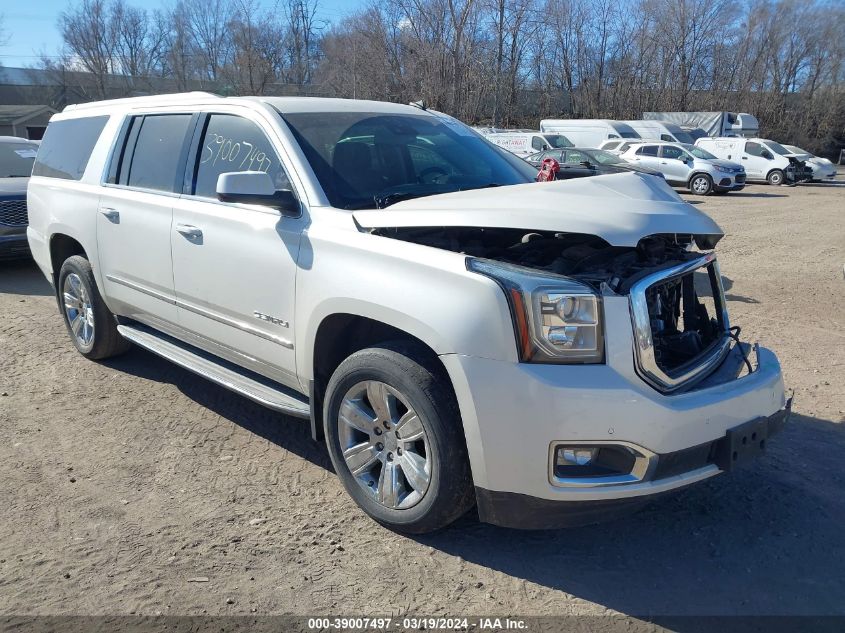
158	153
67	146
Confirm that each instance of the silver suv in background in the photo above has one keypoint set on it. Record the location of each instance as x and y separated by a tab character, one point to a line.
16	158
688	166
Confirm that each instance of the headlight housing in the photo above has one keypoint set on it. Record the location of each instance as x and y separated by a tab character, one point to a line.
724	170
556	319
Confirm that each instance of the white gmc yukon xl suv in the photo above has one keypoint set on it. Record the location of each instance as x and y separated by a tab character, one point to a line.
456	332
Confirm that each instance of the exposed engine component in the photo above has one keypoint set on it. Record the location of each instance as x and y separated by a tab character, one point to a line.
683	311
584	257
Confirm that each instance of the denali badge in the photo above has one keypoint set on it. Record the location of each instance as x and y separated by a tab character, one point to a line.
270	319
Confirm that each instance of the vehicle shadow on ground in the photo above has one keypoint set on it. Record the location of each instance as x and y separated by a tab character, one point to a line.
766	539
23	277
292	434
750	194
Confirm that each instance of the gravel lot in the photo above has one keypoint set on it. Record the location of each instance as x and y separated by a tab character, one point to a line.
133	486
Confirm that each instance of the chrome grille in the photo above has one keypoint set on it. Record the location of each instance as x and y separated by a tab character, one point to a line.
646	341
13	213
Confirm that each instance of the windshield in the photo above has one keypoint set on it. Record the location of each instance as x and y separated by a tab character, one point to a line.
558	141
700	153
778	148
365	160
629	135
16	159
604	158
797	150
683	137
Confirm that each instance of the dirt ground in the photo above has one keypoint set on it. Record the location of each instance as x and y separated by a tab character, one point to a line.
133	486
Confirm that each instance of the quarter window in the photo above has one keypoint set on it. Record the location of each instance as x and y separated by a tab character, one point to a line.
231	143
157	158
67	146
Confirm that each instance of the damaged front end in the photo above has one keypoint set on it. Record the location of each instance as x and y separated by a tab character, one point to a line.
680	323
798	171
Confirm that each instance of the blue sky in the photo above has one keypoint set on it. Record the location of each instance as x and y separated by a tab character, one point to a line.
30	26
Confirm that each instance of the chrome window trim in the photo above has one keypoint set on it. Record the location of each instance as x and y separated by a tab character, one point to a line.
645	463
646	363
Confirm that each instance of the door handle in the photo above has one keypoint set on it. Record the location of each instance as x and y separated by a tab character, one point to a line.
743	158
112	215
189	231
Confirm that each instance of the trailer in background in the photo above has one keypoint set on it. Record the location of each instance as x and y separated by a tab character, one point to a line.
715	124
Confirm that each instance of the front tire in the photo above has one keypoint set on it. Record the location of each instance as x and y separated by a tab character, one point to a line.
701	184
92	327
395	438
775	177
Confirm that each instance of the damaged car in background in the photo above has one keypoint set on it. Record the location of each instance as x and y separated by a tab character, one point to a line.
458	334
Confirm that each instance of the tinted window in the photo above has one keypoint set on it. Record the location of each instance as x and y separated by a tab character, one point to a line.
574	157
157	156
667	137
366	159
647	150
67	146
670	151
232	143
16	159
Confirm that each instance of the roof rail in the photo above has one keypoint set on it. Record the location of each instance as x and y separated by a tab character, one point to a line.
160	98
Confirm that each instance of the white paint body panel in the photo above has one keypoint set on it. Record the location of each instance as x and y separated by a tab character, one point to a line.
303	270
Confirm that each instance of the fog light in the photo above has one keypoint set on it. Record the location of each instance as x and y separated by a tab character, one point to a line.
575	456
598	464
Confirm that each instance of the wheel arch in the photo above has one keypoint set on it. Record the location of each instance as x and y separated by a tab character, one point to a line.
63	246
339	335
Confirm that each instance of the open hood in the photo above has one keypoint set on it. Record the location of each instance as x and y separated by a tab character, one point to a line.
619	208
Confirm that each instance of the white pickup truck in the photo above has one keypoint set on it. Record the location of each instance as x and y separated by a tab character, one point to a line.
458	334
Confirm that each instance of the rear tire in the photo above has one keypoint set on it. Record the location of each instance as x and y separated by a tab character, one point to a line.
775	177
701	184
391	417
92	327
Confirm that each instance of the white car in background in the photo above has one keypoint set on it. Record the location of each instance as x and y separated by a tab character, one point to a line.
689	166
617	146
764	160
823	168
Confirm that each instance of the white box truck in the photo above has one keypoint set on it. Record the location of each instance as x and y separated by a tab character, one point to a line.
713	123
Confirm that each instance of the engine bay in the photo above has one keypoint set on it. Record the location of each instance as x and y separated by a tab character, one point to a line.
685	312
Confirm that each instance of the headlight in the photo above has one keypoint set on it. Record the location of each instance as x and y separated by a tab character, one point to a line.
724	170
556	319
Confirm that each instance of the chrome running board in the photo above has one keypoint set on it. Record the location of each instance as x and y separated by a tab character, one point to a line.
242	381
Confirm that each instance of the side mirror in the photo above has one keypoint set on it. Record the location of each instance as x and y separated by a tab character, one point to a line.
256	187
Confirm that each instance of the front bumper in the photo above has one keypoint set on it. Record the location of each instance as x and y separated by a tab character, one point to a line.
514	412
729	182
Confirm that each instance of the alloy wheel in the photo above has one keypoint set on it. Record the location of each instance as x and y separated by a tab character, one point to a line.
384	444
78	310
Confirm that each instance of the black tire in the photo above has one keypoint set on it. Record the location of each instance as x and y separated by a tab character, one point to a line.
775	177
701	184
416	374
106	341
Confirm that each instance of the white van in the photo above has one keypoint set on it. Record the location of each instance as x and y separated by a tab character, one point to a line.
661	131
763	159
588	132
524	143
